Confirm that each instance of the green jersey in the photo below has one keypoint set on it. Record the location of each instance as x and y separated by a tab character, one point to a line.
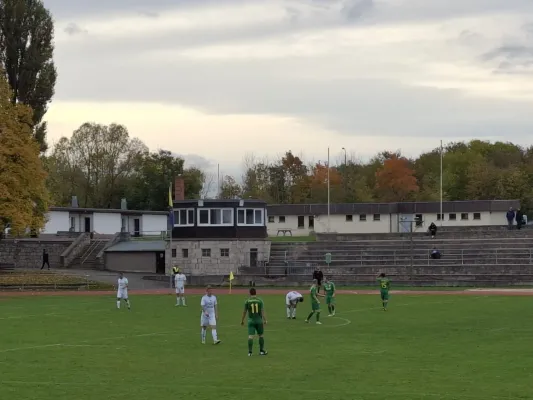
314	297
254	306
384	284
329	287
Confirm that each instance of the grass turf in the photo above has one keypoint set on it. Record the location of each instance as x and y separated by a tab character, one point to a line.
432	347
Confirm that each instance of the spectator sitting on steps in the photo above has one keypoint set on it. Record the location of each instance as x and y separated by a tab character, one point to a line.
433	230
510	218
435	254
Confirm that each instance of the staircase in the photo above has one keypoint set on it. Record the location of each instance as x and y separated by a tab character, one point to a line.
87	256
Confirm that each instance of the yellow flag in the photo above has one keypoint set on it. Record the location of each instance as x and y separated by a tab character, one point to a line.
231	277
170	202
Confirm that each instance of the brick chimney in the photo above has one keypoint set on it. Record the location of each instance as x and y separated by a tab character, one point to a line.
179	189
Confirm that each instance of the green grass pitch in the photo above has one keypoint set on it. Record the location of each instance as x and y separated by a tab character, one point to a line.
424	347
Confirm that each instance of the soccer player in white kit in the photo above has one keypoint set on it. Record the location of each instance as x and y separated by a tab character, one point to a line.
179	280
122	293
209	315
291	300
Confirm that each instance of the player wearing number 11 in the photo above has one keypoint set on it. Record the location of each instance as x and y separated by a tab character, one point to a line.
255	309
384	287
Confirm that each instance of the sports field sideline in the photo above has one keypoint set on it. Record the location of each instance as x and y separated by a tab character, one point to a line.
470	344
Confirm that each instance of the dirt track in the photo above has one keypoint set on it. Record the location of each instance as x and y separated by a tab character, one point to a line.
241	291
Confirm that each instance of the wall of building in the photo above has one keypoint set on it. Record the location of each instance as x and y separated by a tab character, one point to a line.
106	223
56	222
28	253
154	224
225	255
386	223
131	261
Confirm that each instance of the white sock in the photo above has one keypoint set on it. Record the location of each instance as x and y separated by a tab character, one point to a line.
183	300
178	301
128	303
288	312
118	303
214	333
203	334
294	312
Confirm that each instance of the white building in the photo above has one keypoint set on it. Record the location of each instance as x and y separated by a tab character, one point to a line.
105	221
302	219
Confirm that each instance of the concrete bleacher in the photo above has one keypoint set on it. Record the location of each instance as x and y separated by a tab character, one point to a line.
477	256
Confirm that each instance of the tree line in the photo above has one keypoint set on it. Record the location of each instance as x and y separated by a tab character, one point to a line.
475	170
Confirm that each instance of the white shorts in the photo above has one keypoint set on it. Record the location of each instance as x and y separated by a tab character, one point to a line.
122	294
180	289
208	321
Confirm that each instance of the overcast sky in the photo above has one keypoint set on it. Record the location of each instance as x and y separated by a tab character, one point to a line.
219	79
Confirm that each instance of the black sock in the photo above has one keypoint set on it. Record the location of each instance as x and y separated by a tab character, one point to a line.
310	315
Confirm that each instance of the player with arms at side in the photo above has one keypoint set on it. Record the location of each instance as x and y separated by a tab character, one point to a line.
291	301
329	288
180	280
122	293
209	315
315	303
384	287
255	308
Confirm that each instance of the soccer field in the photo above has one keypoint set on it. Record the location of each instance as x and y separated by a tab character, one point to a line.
424	347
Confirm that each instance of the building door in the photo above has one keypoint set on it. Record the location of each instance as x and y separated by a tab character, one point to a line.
160	262
87	222
311	222
253	257
405	221
136	227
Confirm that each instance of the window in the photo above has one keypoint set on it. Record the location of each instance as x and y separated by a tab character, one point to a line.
311	221
477	216
281	219
377	217
184	217
185	253
206	252
73	222
250	217
301	222
440	217
271	219
173	253
452	217
362	217
215	216
464	216
224	252
349	218
418	220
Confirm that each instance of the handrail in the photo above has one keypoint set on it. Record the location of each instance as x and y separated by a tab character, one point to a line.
94	245
63	257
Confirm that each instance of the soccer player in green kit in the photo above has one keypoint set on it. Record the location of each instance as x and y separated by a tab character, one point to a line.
329	288
315	303
384	287
255	308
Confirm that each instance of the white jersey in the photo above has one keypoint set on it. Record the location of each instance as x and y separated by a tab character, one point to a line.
180	279
292	297
122	283
208	304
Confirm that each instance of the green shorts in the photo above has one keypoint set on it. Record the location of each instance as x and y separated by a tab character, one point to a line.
330	300
315	306
384	295
255	328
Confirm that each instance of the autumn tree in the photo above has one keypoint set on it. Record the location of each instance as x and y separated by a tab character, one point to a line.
395	181
229	188
26	51
319	184
23	194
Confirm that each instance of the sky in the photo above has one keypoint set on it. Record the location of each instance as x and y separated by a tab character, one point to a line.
218	81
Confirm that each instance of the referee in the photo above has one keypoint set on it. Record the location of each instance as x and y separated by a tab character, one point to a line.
319	276
175	271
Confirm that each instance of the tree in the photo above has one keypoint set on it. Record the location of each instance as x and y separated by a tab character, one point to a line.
26	51
395	181
95	164
23	194
230	189
319	184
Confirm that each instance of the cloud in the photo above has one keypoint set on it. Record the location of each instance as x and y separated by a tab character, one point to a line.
73	29
355	9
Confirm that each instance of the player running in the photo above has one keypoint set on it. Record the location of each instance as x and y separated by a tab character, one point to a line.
291	301
209	315
384	287
255	308
315	303
329	288
122	293
179	280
